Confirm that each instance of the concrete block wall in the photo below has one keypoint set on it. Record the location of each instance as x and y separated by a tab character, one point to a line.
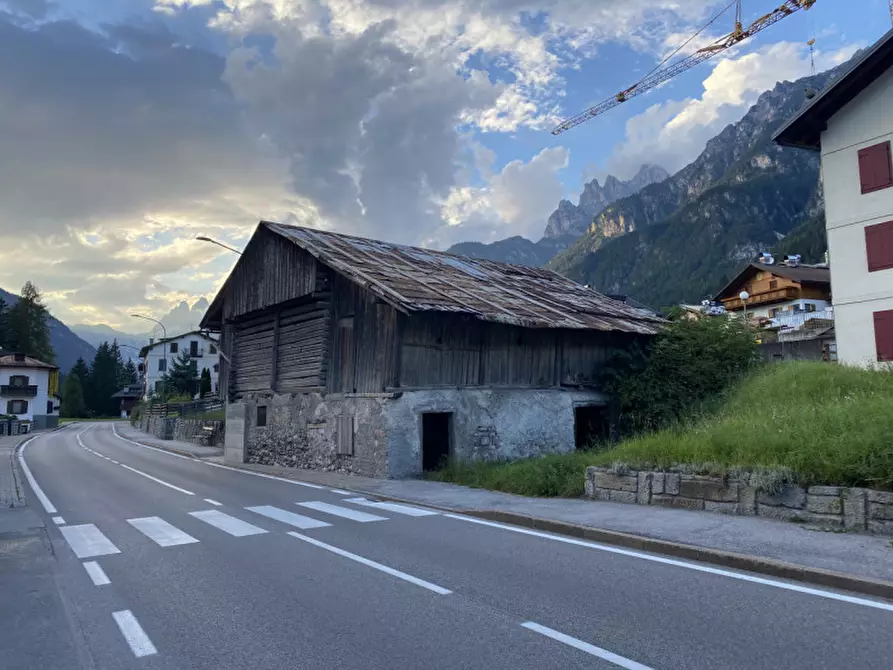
848	508
185	430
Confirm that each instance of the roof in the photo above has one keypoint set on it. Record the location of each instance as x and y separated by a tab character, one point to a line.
129	392
8	360
801	274
804	130
412	279
173	338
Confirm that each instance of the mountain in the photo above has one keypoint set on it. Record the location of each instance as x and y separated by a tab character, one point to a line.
97	334
183	318
565	224
681	239
67	346
570	219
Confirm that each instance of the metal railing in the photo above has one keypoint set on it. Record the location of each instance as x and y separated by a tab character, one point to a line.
786	321
16	390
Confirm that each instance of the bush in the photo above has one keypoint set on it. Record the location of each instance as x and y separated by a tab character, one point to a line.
683	372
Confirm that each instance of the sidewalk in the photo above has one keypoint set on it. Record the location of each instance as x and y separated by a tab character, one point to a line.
12	492
181	447
779	548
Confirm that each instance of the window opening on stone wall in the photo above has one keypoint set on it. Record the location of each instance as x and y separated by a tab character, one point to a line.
261	416
435	439
591	425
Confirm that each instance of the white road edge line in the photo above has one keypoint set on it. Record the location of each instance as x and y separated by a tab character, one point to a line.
146	446
372	564
41	496
155	479
341	492
58	520
853	600
133	633
97	574
603	654
213	502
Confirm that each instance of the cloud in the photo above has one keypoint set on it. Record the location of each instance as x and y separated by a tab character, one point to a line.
672	133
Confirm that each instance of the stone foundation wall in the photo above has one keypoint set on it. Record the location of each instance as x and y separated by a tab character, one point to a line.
826	506
185	430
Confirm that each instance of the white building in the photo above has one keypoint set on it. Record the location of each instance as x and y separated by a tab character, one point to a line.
157	358
851	123
29	390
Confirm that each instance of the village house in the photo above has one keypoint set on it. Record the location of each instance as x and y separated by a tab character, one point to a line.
351	354
157	359
851	124
29	390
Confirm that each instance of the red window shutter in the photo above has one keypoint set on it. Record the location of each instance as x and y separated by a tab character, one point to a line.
879	246
875	167
883	334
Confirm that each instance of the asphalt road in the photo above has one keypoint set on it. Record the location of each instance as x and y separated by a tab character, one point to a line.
169	562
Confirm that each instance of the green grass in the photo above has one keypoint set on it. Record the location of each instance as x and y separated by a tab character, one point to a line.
827	424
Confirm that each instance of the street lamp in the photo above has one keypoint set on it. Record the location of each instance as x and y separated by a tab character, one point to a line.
163	352
744	295
204	238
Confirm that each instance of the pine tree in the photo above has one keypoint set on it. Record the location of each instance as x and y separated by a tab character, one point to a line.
130	372
204	383
103	382
81	370
73	405
4	323
183	376
28	329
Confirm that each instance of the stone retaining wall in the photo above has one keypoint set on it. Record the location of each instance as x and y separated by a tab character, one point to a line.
826	506
186	430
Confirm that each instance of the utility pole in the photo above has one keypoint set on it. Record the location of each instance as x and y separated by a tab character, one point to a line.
163	353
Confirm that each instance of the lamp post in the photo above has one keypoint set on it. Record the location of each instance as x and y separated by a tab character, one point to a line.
744	295
204	238
163	352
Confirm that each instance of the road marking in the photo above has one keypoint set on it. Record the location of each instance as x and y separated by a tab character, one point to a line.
292	519
115	462
87	541
682	564
397	508
161	532
155	479
213	502
341	492
264	475
146	446
603	654
344	512
228	524
97	574
372	564
41	496
58	520
133	633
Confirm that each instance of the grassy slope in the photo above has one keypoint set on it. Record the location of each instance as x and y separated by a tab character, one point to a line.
829	424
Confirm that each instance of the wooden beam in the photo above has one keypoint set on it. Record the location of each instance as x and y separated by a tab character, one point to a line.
275	366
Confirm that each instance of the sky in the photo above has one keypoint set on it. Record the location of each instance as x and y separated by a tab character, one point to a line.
129	127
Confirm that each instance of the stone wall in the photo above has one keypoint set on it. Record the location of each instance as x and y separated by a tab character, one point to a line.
185	430
825	506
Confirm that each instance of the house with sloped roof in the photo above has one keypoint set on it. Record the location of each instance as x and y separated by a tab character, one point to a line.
782	293
29	389
344	353
851	125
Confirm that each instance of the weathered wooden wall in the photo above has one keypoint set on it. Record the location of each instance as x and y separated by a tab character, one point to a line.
450	350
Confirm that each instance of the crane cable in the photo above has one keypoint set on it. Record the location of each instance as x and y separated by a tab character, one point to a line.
689	40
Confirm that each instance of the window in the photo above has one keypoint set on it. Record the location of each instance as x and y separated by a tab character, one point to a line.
162	364
212	348
875	167
174	347
194	366
18	381
49	406
773	312
773	284
883	334
159	387
17	407
879	246
216	367
261	416
193	348
810	307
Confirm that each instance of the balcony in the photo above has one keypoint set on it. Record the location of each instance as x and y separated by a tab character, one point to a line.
196	353
782	294
18	391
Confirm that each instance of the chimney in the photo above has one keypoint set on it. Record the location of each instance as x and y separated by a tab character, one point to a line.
19	358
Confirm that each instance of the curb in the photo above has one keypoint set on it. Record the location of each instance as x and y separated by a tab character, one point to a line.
718	557
180	452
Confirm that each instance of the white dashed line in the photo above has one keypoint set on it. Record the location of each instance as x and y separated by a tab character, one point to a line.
372	564
161	532
590	649
159	481
341	492
213	502
397	508
97	574
228	524
292	519
87	541
58	520
136	637
343	512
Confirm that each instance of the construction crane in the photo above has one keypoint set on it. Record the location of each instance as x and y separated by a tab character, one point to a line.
660	74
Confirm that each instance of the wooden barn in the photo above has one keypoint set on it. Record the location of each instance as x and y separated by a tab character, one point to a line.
343	353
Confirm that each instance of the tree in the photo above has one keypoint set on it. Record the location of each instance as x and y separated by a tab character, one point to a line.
81	370
103	383
130	372
73	405
28	329
182	379
204	383
4	323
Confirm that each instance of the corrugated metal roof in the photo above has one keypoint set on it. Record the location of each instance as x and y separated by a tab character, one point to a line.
421	280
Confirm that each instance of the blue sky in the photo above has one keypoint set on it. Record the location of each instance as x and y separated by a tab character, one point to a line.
140	124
